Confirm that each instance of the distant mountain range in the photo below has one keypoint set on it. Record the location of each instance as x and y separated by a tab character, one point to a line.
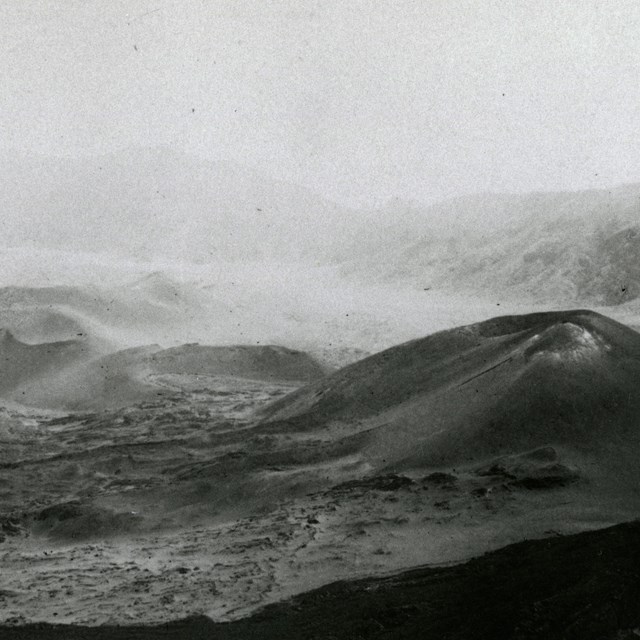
581	247
162	204
159	202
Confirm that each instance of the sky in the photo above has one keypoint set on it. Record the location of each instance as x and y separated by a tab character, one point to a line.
362	101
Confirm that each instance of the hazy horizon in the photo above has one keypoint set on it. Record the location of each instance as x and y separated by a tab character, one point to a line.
361	104
345	203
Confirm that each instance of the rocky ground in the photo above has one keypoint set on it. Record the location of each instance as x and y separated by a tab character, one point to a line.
584	587
71	553
194	504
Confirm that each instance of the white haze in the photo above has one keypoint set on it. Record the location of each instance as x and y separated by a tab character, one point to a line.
360	101
281	162
261	302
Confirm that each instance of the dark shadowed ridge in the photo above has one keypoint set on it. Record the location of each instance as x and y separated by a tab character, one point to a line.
579	587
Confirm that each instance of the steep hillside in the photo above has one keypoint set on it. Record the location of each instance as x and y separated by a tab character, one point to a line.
500	386
582	247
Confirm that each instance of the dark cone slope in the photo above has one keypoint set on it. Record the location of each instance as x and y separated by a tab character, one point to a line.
509	384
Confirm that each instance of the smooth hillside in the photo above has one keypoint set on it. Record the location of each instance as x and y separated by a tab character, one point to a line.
21	362
140	374
112	316
497	387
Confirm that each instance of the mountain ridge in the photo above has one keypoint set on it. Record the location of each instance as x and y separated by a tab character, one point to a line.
581	246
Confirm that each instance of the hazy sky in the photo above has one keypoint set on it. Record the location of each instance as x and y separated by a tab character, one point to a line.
360	100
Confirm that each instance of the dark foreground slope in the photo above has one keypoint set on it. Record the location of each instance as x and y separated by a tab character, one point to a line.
584	586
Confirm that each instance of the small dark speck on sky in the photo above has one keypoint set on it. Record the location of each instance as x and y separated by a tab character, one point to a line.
135	46
143	15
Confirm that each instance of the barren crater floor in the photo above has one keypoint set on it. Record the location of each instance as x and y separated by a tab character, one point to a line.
230	493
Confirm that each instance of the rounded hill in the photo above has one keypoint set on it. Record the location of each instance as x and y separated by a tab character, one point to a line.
496	387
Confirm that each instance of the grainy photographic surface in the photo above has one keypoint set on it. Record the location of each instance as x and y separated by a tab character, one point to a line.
319	320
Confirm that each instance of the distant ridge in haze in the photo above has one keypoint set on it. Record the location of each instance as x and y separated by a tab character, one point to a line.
582	247
162	204
159	202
